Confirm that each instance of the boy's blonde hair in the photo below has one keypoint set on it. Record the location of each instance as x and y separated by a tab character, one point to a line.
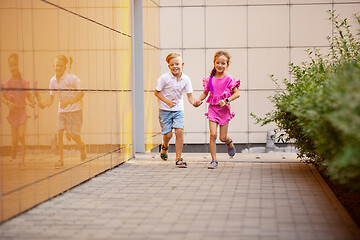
171	56
64	59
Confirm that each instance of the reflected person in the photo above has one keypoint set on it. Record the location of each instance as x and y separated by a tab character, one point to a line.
70	115
16	97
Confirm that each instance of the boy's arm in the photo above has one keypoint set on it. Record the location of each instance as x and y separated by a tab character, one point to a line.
77	98
168	102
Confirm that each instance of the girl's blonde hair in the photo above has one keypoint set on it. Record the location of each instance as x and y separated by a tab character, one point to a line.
222	53
171	56
13	56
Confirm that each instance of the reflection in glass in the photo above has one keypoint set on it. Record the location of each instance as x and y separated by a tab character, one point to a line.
15	96
98	39
70	115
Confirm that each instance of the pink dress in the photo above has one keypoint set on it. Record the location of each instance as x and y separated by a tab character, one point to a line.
222	89
17	114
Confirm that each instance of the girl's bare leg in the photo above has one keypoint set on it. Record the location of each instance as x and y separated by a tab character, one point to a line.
224	133
22	129
213	136
15	139
227	140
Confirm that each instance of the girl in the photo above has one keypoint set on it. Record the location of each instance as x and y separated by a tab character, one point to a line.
15	99
223	89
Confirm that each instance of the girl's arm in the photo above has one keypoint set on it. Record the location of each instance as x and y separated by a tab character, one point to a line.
203	96
198	102
235	95
31	99
39	100
48	102
168	102
5	100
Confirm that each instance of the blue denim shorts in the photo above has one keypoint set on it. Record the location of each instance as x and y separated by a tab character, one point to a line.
170	119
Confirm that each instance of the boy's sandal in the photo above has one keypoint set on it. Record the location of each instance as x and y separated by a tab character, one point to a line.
68	136
164	156
59	164
213	164
231	150
180	163
13	155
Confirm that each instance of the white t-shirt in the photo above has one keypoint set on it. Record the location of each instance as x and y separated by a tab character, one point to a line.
67	81
173	89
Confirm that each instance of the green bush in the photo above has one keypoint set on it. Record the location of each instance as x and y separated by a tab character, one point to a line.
320	109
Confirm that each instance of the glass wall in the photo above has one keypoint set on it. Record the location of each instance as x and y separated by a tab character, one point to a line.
65	71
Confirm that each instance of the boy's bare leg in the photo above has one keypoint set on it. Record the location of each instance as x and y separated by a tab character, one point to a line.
166	139
61	148
179	141
213	136
81	145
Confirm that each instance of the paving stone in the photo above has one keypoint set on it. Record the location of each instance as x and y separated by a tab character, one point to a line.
147	198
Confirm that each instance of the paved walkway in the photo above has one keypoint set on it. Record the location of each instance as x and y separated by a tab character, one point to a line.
147	198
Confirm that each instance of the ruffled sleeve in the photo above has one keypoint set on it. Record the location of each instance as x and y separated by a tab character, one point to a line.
206	84
231	84
234	83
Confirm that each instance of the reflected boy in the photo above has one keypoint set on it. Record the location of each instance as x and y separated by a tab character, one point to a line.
70	114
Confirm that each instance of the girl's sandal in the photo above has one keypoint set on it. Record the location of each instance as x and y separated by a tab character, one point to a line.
213	164
164	156
231	150
180	163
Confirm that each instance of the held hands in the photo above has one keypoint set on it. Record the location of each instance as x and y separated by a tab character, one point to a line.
197	103
42	105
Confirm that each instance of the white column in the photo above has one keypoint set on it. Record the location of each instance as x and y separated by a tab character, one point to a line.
137	62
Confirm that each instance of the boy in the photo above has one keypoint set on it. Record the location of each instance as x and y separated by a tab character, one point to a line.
70	106
169	91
